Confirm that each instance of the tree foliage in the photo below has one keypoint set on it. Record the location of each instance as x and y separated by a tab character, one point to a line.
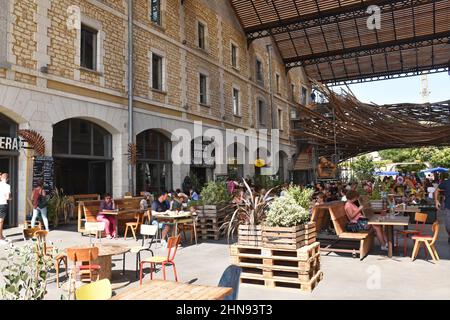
363	167
435	156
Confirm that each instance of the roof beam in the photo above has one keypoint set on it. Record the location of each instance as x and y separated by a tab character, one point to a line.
367	50
329	16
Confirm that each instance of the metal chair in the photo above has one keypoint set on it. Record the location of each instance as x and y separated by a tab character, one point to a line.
146	231
231	278
172	247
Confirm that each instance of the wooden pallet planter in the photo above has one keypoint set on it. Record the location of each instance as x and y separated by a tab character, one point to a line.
289	238
302	254
271	267
250	235
281	282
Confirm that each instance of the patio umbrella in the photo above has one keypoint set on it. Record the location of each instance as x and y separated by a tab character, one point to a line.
433	170
387	173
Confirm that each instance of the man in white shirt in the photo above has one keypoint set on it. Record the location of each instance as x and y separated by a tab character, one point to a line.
5	195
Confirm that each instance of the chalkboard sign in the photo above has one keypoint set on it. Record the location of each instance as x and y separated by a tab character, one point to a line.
43	170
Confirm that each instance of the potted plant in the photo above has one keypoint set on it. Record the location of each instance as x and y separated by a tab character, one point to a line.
215	199
287	223
25	271
59	207
247	218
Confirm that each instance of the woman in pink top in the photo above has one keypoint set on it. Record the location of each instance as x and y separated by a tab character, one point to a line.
355	216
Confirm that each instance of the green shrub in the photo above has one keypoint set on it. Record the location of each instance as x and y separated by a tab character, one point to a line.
286	212
214	193
301	196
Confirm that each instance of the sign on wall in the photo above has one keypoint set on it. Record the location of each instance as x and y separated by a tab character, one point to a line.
11	144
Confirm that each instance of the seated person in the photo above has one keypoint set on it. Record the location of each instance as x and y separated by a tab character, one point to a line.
160	204
357	219
176	204
194	195
110	221
144	204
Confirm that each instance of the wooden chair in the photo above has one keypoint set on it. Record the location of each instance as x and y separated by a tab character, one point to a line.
99	290
172	247
429	242
41	237
85	255
146	231
340	220
87	212
29	233
189	225
134	226
419	218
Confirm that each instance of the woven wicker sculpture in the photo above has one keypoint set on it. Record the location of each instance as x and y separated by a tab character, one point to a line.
34	139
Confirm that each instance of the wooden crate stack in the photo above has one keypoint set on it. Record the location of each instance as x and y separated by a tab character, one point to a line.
289	237
271	267
209	220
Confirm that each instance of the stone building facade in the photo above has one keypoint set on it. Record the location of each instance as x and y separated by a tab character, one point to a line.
44	83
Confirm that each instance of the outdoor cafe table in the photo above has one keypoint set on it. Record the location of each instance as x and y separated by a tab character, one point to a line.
116	213
170	290
105	254
389	222
175	218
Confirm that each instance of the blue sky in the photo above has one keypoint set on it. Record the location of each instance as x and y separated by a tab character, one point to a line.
403	89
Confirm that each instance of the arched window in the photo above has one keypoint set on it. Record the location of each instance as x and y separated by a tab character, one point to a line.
78	137
83	157
154	167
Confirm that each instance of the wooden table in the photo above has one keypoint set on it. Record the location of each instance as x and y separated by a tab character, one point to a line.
116	213
389	222
175	218
170	290
105	254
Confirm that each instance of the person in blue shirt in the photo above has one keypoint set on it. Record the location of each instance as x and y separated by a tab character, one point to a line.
194	195
444	187
161	204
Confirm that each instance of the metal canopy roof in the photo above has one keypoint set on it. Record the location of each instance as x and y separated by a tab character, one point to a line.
331	40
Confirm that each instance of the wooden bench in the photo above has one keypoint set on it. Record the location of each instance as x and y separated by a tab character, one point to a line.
321	215
88	210
340	220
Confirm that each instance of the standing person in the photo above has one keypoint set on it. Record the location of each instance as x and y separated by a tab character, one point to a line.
445	188
187	185
110	221
231	185
5	196
39	204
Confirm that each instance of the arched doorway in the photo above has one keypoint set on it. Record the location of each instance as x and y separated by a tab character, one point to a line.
82	151
8	164
154	167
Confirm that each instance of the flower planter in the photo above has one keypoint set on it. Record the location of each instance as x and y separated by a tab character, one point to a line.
250	235
289	237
